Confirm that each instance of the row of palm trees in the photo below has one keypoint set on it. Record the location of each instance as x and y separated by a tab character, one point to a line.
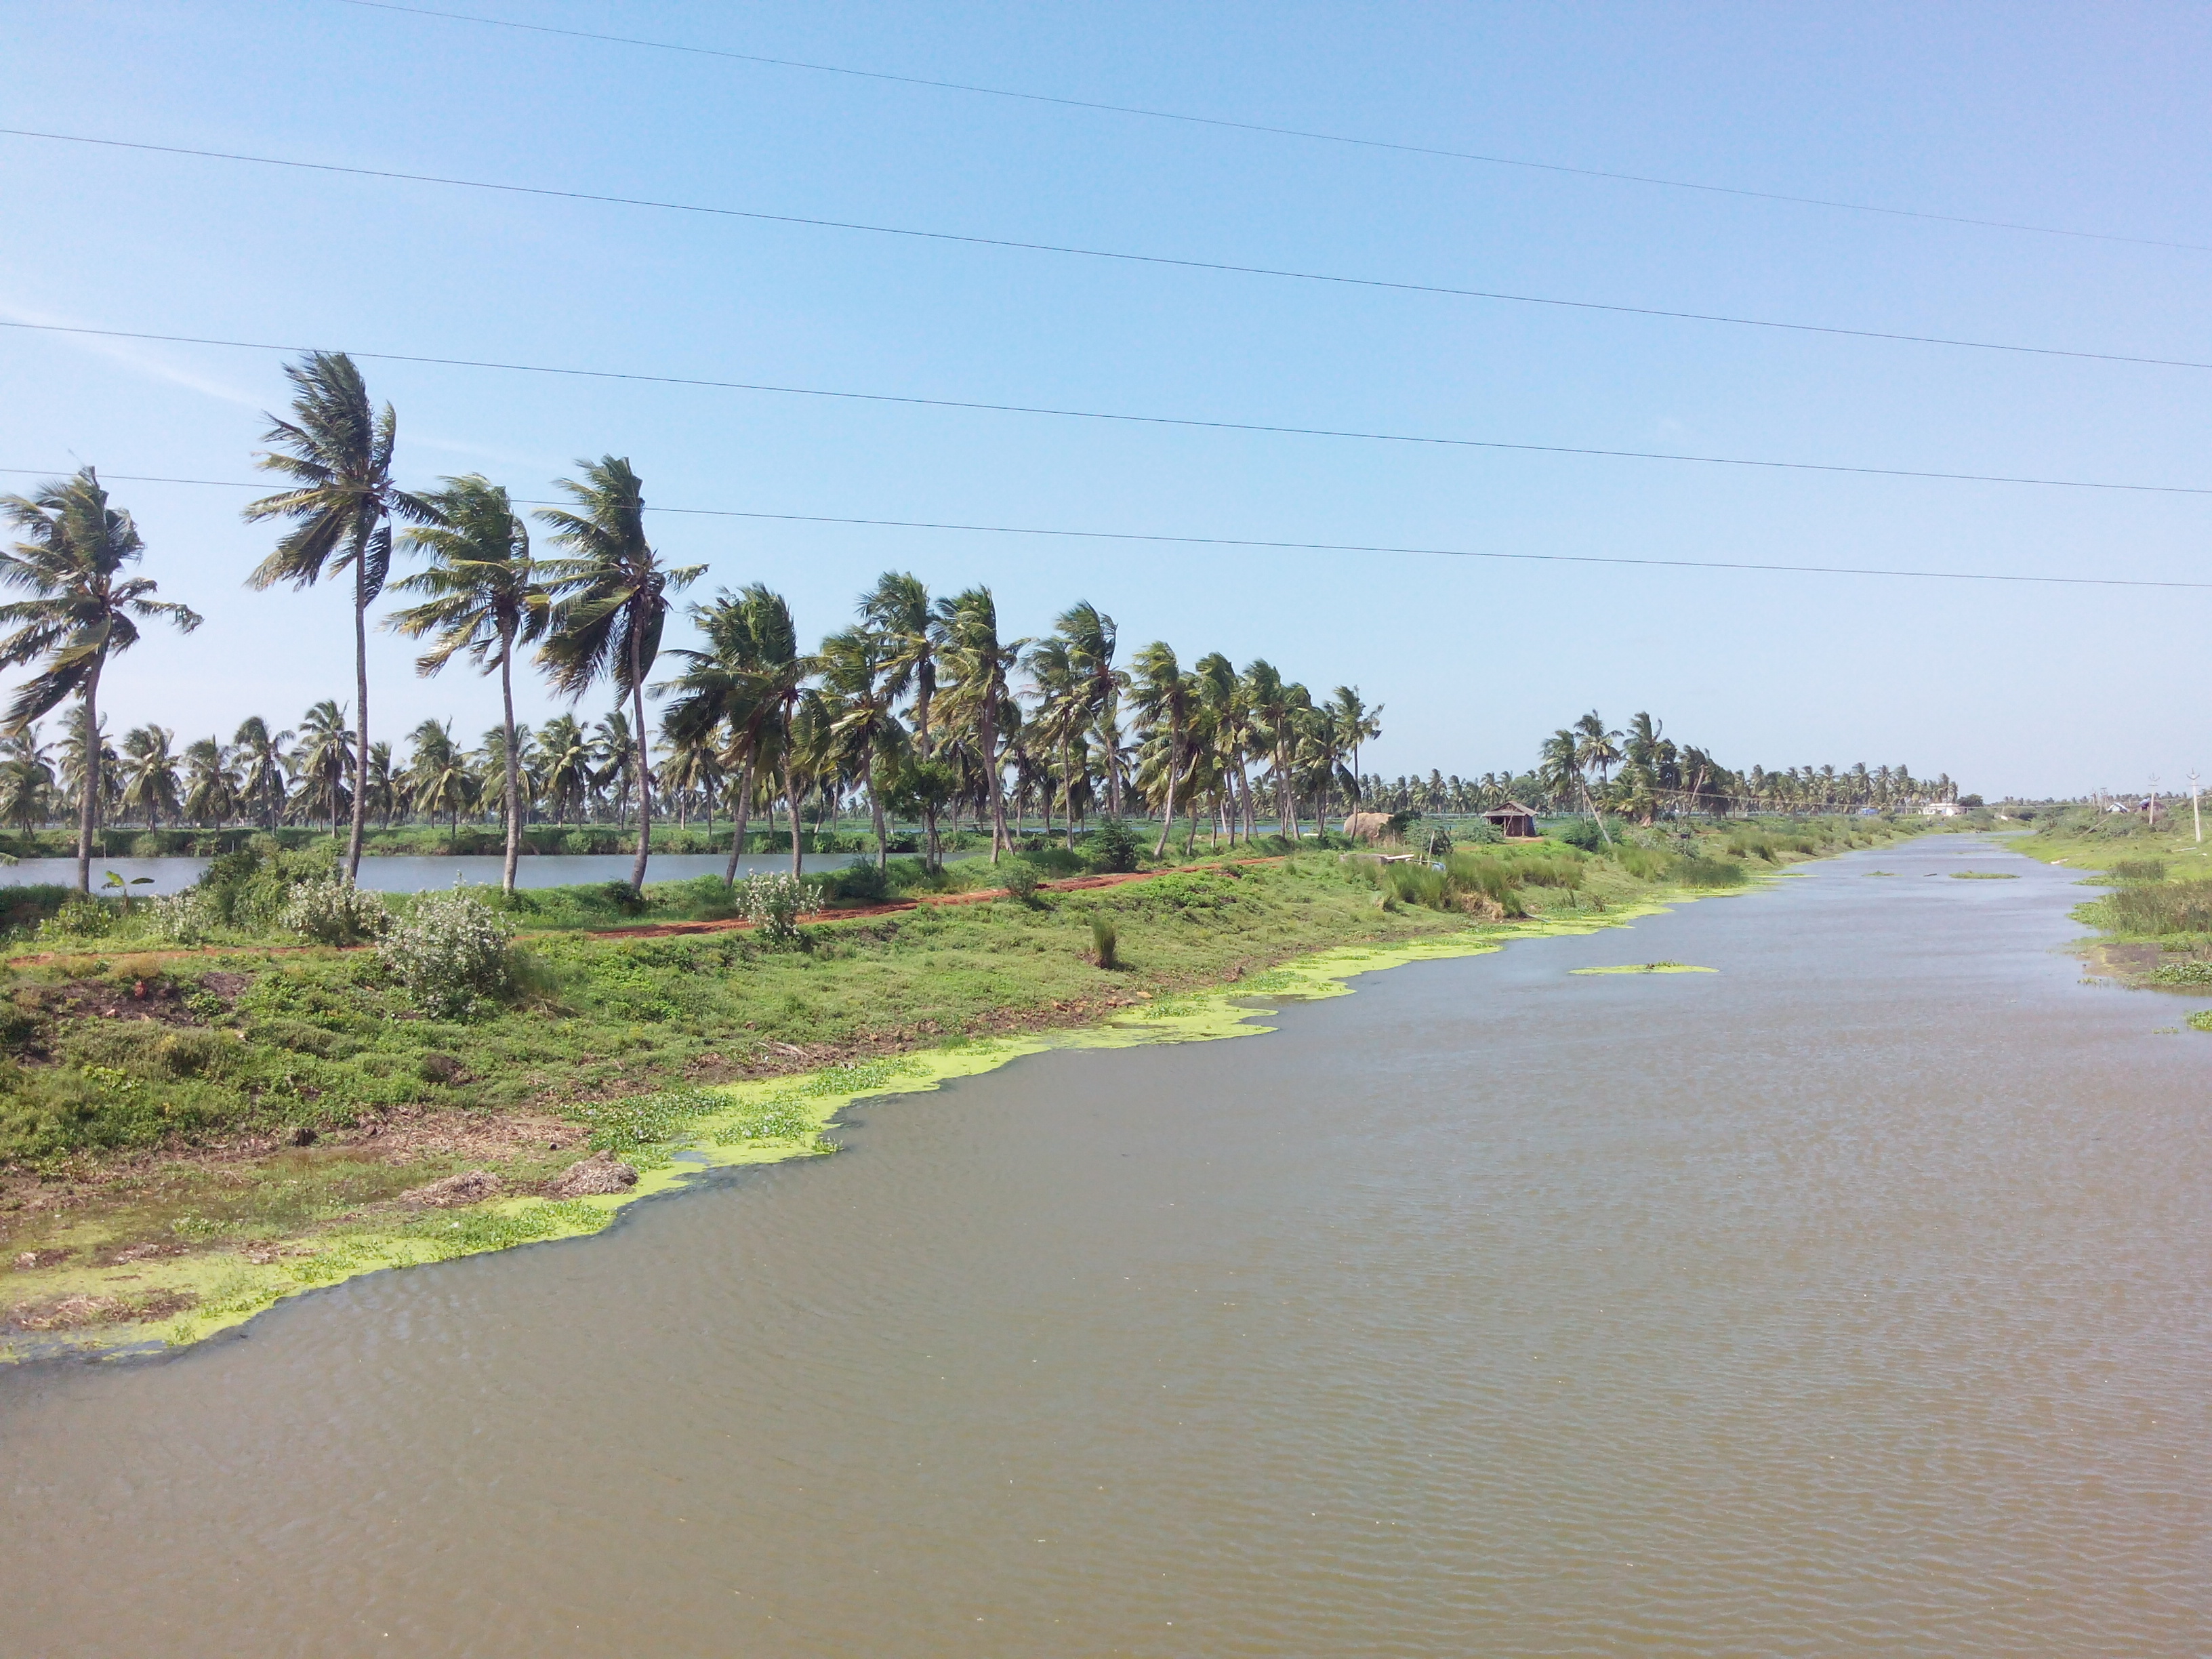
917	709
1577	767
1678	782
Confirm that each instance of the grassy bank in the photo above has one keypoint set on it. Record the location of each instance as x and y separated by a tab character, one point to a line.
254	1114
2152	908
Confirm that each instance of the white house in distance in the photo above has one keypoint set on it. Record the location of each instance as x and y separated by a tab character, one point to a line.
1940	809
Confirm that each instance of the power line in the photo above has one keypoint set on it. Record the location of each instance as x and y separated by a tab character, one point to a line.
1257	543
1185	421
1116	256
1308	133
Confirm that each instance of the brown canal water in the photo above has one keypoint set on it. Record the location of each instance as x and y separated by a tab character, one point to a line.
1853	1299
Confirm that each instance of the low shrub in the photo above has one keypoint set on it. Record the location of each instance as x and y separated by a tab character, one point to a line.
1112	849
450	955
1585	834
333	911
2139	870
187	918
81	917
774	903
863	882
1020	878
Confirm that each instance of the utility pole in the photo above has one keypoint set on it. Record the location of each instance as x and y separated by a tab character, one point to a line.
2151	806
2196	813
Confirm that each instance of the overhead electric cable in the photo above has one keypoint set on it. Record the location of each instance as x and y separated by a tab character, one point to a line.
1168	261
1184	422
1260	544
1308	133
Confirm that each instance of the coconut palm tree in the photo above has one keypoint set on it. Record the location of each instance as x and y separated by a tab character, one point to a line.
481	594
337	451
1089	636
966	629
149	779
262	756
26	781
1599	750
898	608
565	759
1273	702
869	743
323	767
1558	766
1357	723
613	602
1164	697
1063	715
211	783
82	609
616	750
439	780
719	697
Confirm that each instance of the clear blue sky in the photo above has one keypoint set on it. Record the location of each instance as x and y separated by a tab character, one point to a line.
2087	118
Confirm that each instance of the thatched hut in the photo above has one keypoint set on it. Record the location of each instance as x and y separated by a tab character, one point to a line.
1514	822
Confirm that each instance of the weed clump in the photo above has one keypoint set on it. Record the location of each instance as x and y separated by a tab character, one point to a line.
2139	870
1105	940
2168	907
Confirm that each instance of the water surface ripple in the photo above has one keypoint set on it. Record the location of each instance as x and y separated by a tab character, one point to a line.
1852	1300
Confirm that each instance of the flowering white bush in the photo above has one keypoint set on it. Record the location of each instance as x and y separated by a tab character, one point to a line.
775	903
187	918
450	954
333	911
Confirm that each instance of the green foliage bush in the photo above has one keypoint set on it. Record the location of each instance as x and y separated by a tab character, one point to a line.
2139	870
1021	880
863	882
450	954
79	918
1112	849
1585	834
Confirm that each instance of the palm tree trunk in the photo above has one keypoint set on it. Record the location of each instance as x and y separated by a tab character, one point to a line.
990	736
791	797
513	770
1067	791
1167	814
87	817
932	859
741	809
361	693
882	829
643	769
